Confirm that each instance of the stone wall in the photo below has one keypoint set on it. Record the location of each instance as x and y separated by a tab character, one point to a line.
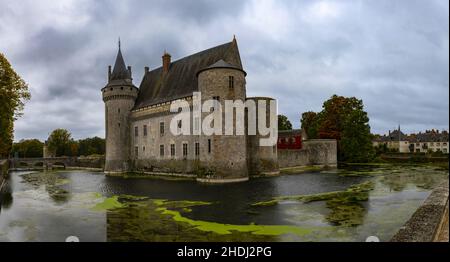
424	223
314	152
119	100
90	162
228	156
262	160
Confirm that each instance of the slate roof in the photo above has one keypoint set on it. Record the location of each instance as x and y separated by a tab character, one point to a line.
428	136
431	136
120	70
181	80
221	64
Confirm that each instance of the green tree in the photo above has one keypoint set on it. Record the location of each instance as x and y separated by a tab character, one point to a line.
284	123
343	119
60	141
13	94
310	123
91	146
28	148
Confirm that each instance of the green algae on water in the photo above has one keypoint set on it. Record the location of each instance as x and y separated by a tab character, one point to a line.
356	192
223	229
345	206
144	220
108	203
52	181
301	169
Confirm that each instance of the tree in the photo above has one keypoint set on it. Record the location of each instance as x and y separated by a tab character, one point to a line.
60	141
343	119
309	123
28	148
13	94
284	123
91	146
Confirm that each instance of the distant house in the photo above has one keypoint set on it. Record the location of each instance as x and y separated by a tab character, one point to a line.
431	140
395	140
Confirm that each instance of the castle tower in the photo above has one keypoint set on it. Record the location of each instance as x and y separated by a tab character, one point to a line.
225	156
119	96
262	160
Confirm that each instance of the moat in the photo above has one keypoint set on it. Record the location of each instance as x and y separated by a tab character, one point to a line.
329	205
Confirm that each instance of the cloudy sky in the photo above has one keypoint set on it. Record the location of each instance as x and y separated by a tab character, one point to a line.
392	54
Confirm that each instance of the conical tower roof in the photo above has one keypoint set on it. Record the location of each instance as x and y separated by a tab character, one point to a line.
120	71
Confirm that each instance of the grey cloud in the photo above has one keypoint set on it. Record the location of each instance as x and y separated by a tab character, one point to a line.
392	55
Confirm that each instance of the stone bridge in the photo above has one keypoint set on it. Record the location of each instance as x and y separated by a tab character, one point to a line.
46	163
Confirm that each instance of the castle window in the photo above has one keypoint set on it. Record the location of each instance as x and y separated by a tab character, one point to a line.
172	150
185	149
145	130
136	131
231	82
136	151
209	146
118	110
143	149
111	89
161	128
161	150
197	149
217	98
121	88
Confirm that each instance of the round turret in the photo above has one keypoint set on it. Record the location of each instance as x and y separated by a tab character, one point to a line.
263	160
119	96
226	155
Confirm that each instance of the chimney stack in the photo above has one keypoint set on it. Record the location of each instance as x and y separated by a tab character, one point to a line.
146	69
166	62
109	73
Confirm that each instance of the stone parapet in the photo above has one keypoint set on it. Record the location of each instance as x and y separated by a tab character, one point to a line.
424	223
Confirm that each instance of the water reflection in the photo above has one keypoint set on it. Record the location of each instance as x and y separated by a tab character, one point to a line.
53	183
6	197
51	206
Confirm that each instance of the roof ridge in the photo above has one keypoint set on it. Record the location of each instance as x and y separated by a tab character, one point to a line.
181	80
191	55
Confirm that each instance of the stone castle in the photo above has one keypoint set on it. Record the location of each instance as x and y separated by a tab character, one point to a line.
137	120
